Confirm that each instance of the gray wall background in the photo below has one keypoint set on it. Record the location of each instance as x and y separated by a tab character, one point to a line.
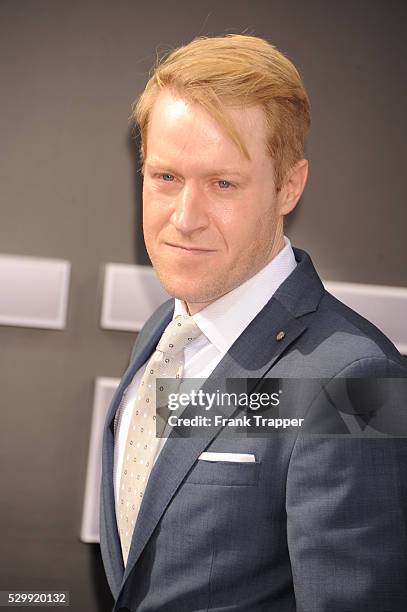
69	189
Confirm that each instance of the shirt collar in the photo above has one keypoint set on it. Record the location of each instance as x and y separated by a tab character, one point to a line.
224	320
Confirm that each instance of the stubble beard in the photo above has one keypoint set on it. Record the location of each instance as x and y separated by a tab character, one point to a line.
210	289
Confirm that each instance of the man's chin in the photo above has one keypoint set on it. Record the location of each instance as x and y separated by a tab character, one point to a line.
191	298
188	294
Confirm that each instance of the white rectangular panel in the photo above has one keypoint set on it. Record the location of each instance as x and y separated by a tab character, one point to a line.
384	306
130	295
34	291
104	391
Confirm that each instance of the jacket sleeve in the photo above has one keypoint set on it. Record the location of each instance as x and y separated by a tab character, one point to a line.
346	503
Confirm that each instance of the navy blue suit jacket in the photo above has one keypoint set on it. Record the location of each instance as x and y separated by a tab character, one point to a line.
315	524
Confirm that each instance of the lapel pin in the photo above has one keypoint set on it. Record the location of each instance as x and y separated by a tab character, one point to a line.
280	336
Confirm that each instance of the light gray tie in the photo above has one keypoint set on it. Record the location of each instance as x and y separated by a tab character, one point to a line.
166	362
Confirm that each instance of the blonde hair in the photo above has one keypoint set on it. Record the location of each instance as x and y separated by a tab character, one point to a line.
235	70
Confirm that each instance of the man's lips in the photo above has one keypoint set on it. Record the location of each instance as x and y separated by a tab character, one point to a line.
184	248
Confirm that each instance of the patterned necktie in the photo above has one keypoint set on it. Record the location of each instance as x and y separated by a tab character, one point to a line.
166	362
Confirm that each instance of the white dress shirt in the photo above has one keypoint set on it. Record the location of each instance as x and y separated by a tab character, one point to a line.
221	323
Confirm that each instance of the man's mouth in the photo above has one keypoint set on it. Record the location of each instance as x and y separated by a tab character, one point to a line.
186	248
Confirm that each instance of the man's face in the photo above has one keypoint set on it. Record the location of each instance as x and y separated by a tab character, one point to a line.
210	216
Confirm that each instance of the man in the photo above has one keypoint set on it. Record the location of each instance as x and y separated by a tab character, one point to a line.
277	523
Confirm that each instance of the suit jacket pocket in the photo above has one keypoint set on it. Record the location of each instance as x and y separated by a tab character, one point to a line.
224	473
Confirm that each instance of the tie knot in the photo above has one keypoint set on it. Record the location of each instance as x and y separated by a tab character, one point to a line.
178	334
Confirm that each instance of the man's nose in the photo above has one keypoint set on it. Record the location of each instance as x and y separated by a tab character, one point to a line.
189	210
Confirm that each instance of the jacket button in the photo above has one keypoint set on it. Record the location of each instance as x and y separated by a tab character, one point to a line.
280	336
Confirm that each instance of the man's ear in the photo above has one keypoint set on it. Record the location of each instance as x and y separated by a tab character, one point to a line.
293	187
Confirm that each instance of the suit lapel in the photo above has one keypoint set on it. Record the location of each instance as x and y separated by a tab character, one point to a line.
110	542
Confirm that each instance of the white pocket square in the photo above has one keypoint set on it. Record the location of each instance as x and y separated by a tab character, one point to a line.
236	457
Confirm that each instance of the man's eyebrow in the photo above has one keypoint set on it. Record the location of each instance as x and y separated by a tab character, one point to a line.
160	164
224	171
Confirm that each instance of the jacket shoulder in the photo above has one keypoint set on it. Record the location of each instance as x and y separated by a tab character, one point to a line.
356	336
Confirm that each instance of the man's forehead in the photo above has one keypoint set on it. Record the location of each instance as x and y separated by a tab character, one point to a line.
173	104
170	111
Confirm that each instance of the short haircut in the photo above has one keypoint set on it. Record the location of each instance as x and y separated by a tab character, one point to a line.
235	70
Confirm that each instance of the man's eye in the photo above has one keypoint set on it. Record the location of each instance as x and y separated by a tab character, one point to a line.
167	177
224	184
